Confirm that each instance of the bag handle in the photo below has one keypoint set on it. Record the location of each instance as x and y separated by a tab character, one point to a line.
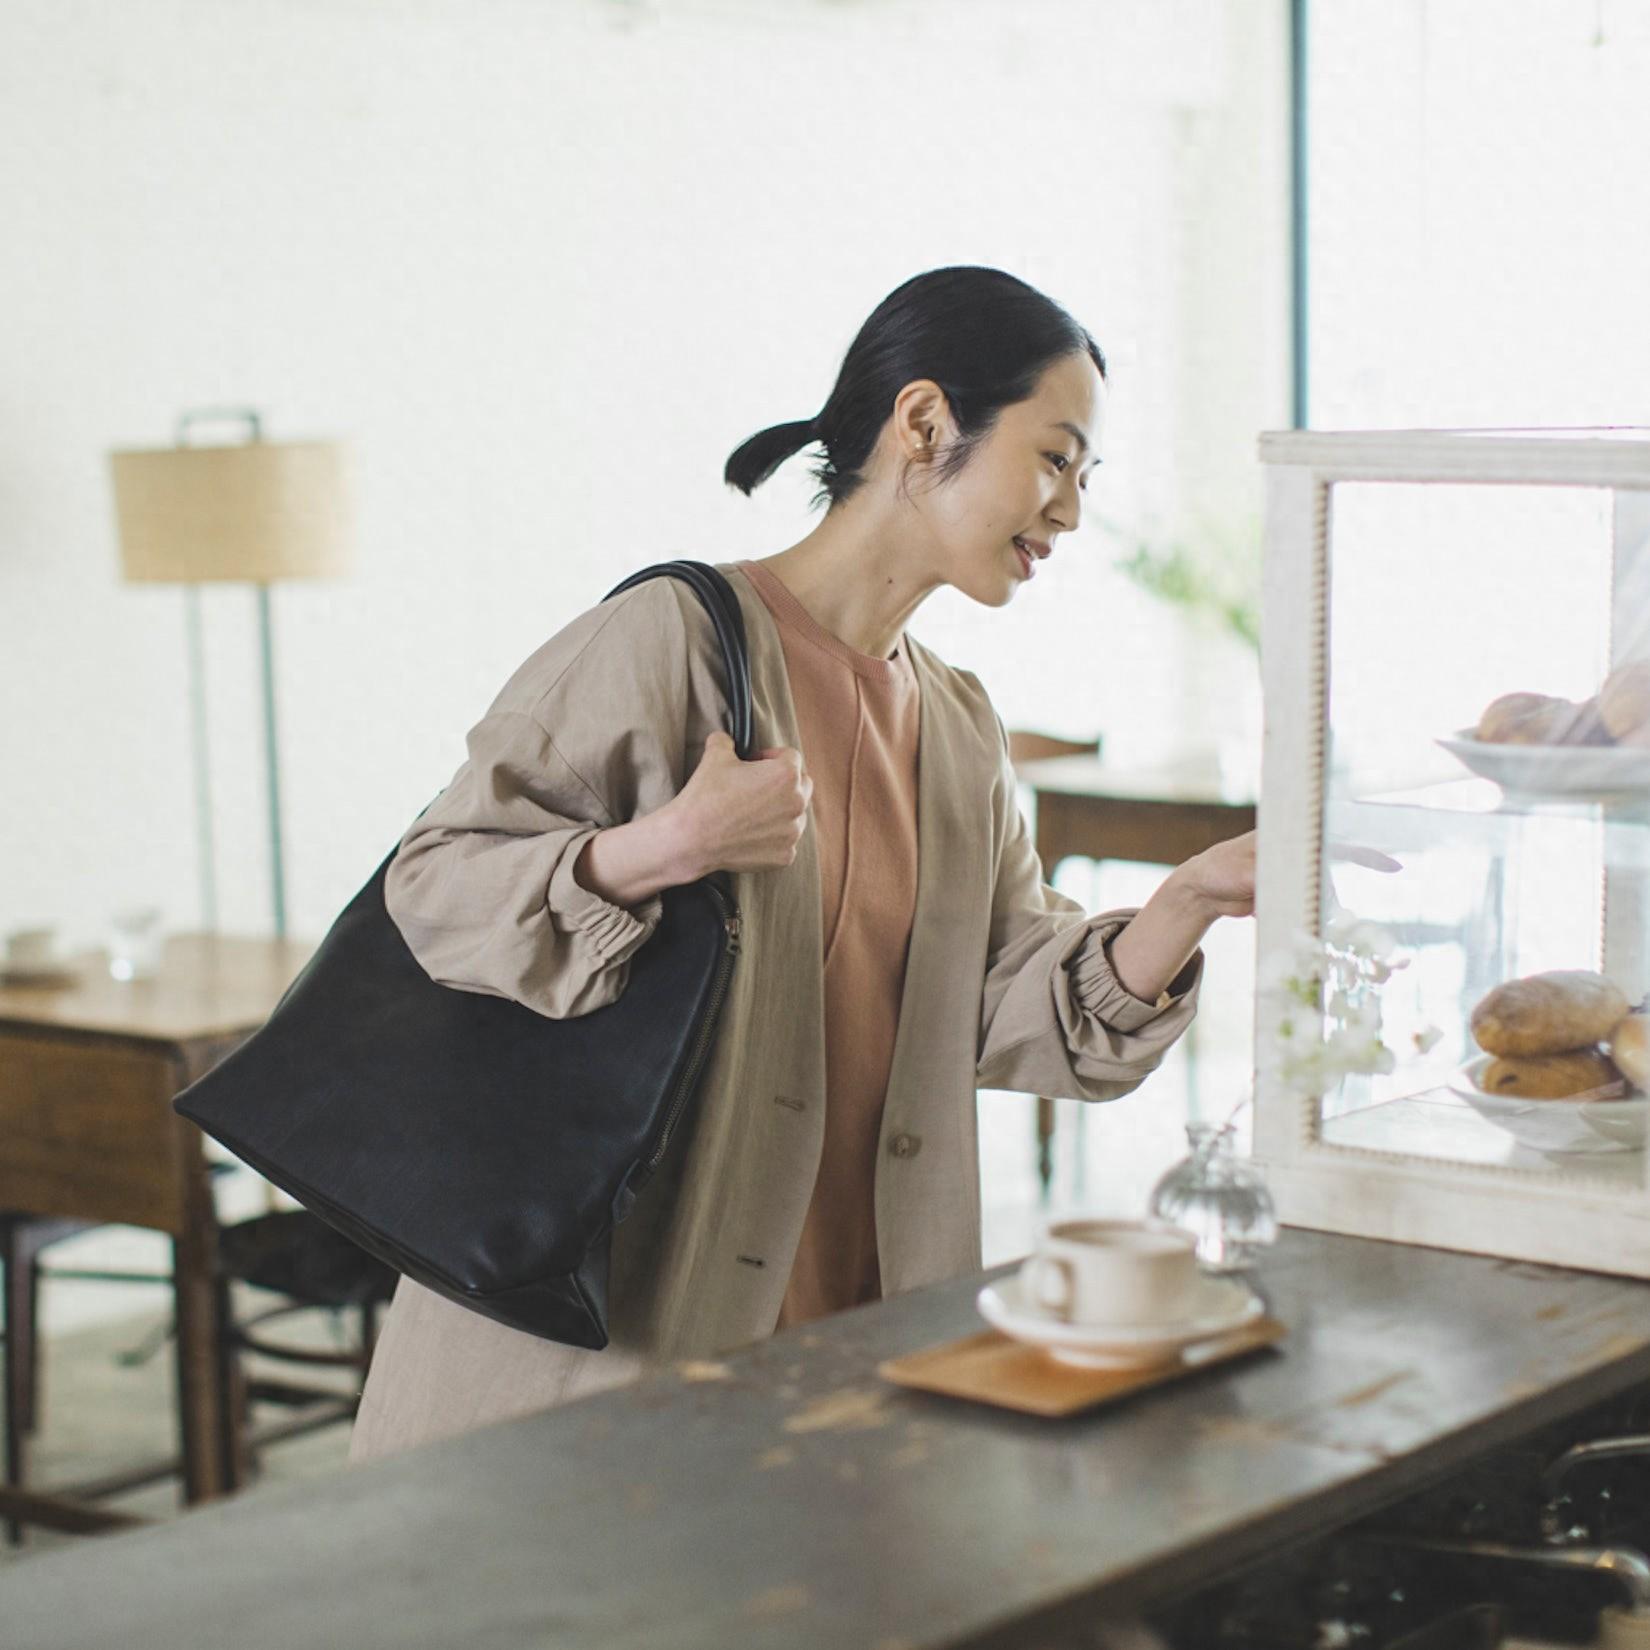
717	597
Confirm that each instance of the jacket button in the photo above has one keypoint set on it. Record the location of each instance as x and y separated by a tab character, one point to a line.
905	1145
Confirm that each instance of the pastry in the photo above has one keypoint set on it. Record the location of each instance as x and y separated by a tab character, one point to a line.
1550	1076
1624	700
1548	1013
1630	1049
1509	719
1542	719
1585	725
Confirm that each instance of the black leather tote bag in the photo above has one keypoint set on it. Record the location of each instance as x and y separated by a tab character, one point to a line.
484	1150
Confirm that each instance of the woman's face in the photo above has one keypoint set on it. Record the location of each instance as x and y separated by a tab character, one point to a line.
996	521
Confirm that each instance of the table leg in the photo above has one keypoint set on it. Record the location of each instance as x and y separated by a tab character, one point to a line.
207	1469
19	1355
1045	1144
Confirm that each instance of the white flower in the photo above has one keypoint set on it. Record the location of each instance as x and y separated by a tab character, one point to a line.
1363	1019
1370	940
1340	923
1320	1004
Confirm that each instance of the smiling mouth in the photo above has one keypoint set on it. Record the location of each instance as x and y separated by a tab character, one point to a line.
1028	557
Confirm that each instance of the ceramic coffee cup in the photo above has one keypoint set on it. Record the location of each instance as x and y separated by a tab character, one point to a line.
1114	1273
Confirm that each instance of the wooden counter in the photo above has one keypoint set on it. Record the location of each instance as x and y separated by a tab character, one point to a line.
790	1499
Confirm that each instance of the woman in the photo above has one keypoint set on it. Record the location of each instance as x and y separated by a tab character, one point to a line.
899	947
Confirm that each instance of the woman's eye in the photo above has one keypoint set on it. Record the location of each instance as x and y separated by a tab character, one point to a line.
1059	461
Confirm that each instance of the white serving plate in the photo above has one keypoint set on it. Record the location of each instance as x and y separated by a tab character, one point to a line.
1589	1124
1555	770
1223	1305
1625	1121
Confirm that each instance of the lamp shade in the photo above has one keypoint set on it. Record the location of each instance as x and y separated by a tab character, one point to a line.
255	513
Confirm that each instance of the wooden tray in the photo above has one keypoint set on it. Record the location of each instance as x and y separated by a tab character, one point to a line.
991	1368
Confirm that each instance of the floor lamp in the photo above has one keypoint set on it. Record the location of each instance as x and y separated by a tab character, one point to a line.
249	513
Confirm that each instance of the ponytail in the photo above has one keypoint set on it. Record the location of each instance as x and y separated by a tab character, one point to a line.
750	464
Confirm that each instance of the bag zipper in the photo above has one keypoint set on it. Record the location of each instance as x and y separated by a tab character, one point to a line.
707	1028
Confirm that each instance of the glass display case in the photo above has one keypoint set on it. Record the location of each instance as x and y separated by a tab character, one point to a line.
1454	879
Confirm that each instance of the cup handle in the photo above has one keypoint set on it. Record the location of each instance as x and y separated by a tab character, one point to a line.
1036	1271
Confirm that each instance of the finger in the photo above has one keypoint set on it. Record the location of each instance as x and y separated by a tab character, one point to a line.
1371	858
720	740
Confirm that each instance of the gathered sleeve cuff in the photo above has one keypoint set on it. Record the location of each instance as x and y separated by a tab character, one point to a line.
1099	992
612	933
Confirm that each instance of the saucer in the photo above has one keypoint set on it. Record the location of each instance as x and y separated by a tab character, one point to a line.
1222	1305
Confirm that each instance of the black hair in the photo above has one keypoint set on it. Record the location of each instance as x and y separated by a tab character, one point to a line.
982	335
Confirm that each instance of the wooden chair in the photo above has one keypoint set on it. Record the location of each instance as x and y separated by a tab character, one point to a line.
1027	745
22	1239
305	1265
290	1253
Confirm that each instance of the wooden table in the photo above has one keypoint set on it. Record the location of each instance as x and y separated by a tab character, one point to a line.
1089	808
87	1131
789	1498
1159	816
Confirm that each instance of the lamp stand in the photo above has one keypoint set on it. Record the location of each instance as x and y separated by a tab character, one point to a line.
272	766
205	844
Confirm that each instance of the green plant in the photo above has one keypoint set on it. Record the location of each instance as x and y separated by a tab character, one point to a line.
1218	579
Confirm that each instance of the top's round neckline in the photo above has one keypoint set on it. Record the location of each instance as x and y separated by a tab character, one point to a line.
791	613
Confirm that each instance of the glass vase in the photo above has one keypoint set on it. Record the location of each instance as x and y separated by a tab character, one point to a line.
1219	1197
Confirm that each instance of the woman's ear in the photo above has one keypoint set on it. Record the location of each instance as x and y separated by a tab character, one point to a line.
922	419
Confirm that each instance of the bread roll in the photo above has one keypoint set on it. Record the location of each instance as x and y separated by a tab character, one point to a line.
1519	718
1550	725
1541	719
1551	1076
1548	1013
1624	700
1584	725
1630	1049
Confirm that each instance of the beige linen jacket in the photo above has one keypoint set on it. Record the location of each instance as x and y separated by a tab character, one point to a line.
1008	986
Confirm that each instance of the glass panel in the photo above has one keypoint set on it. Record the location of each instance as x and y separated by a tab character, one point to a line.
1479	862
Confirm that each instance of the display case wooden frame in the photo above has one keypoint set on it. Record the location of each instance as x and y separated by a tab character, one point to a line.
1562	1217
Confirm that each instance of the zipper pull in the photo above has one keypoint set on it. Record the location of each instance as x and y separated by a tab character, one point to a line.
732	926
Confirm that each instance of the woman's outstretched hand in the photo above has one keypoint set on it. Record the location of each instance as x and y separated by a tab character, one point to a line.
1169	927
1222	878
